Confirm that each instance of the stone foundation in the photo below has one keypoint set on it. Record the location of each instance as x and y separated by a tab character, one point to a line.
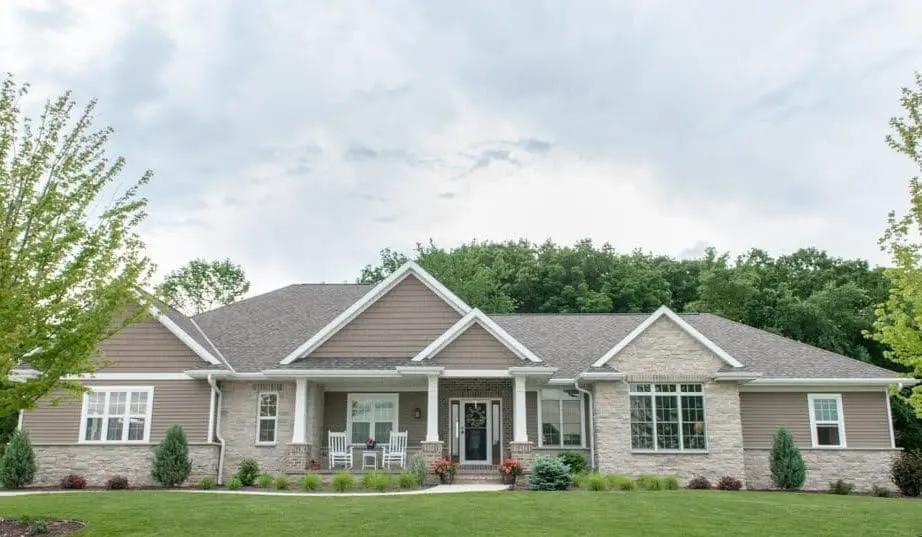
97	463
432	452
297	458
863	467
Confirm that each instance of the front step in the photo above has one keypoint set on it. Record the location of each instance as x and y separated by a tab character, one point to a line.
479	476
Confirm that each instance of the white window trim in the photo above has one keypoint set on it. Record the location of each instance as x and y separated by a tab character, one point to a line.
372	396
678	393
259	419
582	421
840	423
105	417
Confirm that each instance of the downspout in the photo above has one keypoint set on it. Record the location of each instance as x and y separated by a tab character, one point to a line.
217	427
591	424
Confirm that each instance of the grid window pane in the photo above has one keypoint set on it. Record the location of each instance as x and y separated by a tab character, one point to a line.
383	431
93	429
826	409
267	429
138	403
665	388
117	402
571	423
136	428
641	422
268	405
361	431
693	431
114	429
666	419
550	418
384	410
641	388
827	435
95	403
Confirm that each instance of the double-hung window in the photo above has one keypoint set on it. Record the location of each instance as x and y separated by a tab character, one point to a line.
371	416
827	422
268	417
116	415
561	417
667	417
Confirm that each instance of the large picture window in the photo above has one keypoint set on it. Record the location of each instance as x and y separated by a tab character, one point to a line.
827	422
667	417
561	417
371	416
116	415
268	418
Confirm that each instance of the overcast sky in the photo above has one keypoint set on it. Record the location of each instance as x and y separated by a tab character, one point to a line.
300	138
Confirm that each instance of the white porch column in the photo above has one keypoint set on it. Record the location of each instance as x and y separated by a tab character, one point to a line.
519	430
298	435
432	410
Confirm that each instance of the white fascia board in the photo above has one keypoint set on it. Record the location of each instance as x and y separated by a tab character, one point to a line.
331	373
559	382
205	373
689	329
129	376
420	370
732	376
370	298
477	373
834	381
525	370
488	324
168	323
601	375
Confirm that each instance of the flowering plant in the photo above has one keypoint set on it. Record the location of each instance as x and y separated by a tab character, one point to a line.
445	469
370	443
511	467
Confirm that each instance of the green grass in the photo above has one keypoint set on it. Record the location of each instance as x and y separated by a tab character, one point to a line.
663	513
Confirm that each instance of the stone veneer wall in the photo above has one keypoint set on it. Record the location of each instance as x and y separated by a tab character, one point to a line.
863	467
724	455
97	463
238	425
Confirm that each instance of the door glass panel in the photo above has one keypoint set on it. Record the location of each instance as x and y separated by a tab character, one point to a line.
475	431
497	435
455	431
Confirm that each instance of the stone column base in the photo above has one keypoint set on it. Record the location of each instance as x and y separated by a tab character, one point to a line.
296	458
524	453
432	452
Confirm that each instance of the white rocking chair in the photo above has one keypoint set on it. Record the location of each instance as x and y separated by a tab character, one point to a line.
395	451
340	450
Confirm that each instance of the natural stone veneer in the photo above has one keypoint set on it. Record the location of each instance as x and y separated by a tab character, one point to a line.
238	425
97	463
863	467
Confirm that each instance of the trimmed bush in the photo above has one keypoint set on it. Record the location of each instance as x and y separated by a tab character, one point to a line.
39	527
669	482
206	483
17	466
906	473
841	487
787	465
407	480
575	461
171	465
698	482
73	481
117	482
281	482
596	483
418	467
265	481
880	492
247	472
729	483
343	481
234	483
309	482
550	473
648	482
620	482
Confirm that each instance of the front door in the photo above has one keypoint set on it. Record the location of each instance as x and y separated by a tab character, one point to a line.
475	432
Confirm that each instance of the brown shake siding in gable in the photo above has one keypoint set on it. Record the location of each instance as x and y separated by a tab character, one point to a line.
399	325
182	402
147	347
866	418
476	349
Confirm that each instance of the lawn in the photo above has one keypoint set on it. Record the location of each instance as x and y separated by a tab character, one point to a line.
666	513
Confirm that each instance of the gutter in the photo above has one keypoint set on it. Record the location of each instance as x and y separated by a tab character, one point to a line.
591	425
216	392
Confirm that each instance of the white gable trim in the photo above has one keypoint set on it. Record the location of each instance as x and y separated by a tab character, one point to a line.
370	298
183	336
476	316
671	315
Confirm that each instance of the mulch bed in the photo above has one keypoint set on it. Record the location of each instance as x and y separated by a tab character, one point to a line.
13	528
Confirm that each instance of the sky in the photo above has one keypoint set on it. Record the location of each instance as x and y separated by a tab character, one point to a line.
300	138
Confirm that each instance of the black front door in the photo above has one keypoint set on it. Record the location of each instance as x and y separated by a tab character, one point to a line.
475	431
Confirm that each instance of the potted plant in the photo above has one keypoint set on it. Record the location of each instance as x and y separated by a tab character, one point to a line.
511	469
445	469
315	464
370	444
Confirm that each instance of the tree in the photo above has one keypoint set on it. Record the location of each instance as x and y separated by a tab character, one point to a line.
171	465
17	466
70	259
787	465
899	319
202	285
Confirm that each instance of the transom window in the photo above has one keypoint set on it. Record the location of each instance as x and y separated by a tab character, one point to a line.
827	422
268	417
561	417
116	415
371	416
667	417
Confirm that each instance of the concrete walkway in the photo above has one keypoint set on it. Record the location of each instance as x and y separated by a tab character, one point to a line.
438	489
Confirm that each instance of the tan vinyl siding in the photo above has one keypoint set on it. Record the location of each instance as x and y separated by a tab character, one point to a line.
399	325
866	422
147	346
182	402
476	349
334	414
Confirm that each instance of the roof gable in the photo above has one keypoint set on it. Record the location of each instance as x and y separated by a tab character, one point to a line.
464	324
188	339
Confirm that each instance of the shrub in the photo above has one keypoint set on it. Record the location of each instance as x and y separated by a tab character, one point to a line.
906	473
648	482
117	482
171	465
880	492
206	483
619	482
841	487
729	483
418	467
247	472
669	482
580	480
376	480
787	465
575	461
309	482
39	527
596	482
550	473
343	481
73	481
234	483
17	466
698	482
281	482
407	480
264	481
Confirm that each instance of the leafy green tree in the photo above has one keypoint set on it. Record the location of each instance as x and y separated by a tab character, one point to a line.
202	285
71	260
786	463
17	466
171	465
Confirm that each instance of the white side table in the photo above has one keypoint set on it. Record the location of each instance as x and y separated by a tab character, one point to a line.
369	455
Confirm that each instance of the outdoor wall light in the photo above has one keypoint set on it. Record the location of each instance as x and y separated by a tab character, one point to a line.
417	413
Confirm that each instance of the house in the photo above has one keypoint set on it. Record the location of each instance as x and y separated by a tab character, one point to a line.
269	376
